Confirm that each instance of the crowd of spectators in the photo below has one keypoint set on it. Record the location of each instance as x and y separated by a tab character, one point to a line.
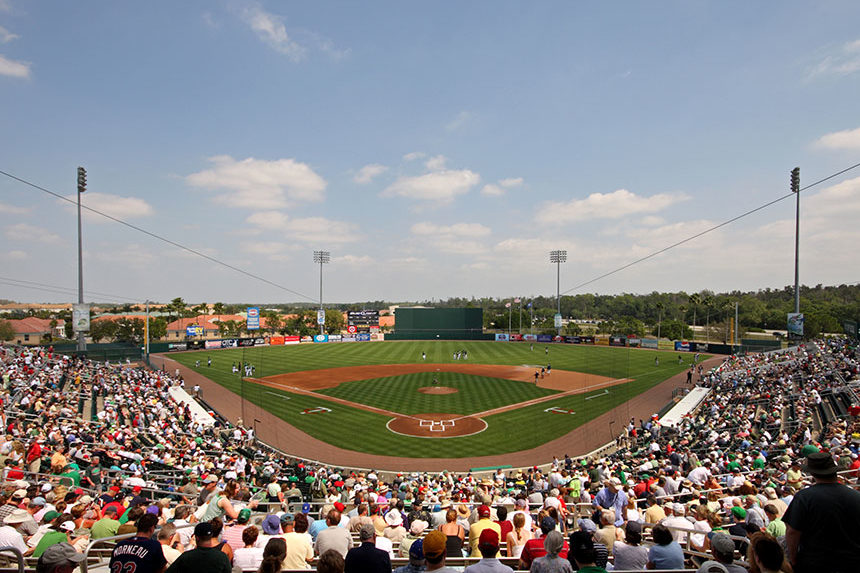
752	480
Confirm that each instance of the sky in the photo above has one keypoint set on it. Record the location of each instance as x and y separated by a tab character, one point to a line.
435	149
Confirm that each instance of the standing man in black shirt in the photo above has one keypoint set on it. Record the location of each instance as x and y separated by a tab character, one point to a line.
205	557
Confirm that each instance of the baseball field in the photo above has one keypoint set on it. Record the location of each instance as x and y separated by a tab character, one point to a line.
418	399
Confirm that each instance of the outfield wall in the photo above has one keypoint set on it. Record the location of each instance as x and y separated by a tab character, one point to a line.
439	324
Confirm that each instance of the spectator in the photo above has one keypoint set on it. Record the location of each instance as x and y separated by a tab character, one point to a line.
518	537
766	553
582	557
551	562
205	557
330	562
665	553
612	497
232	534
249	557
366	558
333	537
300	551
140	553
169	540
274	554
59	558
723	551
534	548
488	545
417	563
434	546
822	521
475	530
10	534
630	554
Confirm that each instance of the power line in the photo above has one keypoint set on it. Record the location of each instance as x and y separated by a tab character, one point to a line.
706	231
159	237
59	289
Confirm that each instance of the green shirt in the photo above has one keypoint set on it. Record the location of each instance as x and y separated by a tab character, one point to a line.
776	527
104	527
50	538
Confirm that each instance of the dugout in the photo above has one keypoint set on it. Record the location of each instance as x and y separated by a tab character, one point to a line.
438	324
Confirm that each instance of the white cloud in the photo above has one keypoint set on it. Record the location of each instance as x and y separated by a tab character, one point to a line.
457	229
847	139
436	163
268	219
414	155
368	172
132	256
652	220
260	184
14	68
271	30
15	255
511	182
25	232
355	260
440	186
615	205
492	190
7	36
13	209
841	61
113	205
306	229
462	118
264	247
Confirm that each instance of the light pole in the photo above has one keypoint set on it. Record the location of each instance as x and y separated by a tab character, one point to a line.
795	188
558	257
321	257
82	186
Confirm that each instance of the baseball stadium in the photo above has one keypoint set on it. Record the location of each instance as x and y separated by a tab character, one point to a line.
442	287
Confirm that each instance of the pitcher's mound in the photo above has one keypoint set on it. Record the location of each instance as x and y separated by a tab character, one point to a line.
437	425
437	390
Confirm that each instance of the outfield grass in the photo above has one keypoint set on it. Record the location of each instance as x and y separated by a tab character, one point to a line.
363	431
474	393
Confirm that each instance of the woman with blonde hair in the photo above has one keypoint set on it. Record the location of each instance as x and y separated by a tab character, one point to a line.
517	538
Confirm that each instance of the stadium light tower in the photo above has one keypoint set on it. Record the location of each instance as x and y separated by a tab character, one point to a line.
321	257
82	186
558	257
795	188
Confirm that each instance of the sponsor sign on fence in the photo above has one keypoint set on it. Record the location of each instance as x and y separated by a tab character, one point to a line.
292	339
502	337
617	341
682	346
364	337
530	337
321	338
213	344
650	343
544	337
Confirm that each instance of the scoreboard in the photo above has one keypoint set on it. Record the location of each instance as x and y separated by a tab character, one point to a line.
362	320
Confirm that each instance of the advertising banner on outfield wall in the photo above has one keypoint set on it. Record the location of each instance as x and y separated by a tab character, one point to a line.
650	343
530	337
292	339
213	344
305	339
276	340
174	346
682	346
502	337
517	337
366	337
348	338
334	337
617	341
196	345
229	343
634	341
245	342
321	338
544	337
601	341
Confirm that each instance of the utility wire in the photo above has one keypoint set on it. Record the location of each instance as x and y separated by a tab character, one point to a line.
57	288
159	237
706	231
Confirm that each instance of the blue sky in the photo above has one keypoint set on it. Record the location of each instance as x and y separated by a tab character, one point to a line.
438	149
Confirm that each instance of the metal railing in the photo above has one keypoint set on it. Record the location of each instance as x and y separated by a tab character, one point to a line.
19	557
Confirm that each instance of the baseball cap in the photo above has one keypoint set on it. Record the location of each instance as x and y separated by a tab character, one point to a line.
547	524
483	511
489	537
244	515
722	543
739	512
339	506
287	518
50	516
416	550
19	494
434	543
67	526
60	554
203	530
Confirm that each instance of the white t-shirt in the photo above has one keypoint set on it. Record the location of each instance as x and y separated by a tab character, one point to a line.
248	558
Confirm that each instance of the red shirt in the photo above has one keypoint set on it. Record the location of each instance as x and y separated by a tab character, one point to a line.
534	549
506	526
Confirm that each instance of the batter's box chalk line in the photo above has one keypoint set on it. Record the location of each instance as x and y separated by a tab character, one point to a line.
436	425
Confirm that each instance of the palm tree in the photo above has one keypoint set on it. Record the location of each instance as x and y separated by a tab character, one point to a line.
660	306
695	300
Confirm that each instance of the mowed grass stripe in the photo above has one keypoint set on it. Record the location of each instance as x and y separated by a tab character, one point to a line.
474	393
